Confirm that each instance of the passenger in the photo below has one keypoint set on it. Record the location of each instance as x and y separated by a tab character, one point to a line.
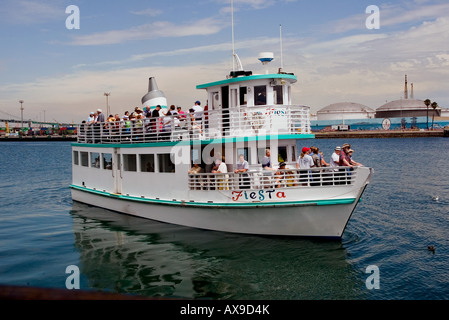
156	121
242	169
335	158
182	114
91	118
304	163
171	121
138	111
267	170
139	125
316	174
195	126
109	124
198	111
345	161
315	156
195	169
354	163
127	127
197	181
146	111
323	162
266	161
223	179
167	122
100	116
147	123
280	176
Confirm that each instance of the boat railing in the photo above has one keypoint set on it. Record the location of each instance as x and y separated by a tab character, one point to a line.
264	179
212	124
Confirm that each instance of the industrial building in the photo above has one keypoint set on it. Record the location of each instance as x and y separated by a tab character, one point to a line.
404	113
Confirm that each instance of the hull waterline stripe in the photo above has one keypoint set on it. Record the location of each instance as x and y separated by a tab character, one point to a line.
218	205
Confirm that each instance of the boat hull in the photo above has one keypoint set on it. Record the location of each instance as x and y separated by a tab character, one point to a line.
304	220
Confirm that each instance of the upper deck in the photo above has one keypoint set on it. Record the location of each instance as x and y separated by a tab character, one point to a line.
241	122
243	105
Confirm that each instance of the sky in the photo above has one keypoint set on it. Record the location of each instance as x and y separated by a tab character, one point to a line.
61	73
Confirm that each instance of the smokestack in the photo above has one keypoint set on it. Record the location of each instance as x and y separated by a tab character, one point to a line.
154	96
411	94
406	89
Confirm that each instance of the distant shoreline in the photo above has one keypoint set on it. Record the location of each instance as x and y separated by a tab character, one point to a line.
381	134
318	135
38	138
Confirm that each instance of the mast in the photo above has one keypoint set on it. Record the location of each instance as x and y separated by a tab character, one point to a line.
235	58
280	35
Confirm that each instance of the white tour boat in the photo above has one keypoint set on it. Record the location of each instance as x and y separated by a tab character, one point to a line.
141	167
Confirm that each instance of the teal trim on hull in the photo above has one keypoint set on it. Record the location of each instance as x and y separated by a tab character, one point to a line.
248	78
217	205
196	142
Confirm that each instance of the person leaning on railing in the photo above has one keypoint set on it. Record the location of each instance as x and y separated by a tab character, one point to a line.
242	168
223	179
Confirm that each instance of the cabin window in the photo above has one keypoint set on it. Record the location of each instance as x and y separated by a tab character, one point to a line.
243	96
260	154
278	96
76	160
282	154
95	160
165	163
85	159
107	161
147	162
195	155
130	162
260	95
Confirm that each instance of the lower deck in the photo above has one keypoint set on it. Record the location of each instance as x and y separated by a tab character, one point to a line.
161	173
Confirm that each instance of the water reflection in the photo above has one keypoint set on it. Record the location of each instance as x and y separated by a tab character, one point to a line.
125	254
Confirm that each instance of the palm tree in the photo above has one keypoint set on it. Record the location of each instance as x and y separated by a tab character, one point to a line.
434	106
427	103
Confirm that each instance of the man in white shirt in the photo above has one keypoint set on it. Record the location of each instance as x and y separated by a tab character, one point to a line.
335	158
198	111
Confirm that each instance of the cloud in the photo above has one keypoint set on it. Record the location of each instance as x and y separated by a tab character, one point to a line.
28	12
160	29
392	15
370	68
148	12
219	47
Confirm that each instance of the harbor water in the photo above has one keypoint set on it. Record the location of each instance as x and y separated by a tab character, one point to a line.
404	210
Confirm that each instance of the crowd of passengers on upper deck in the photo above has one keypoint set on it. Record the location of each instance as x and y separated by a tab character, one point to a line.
147	121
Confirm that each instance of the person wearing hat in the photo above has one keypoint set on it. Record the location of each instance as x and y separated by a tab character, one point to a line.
353	162
100	116
198	111
345	160
280	175
91	118
305	162
335	157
